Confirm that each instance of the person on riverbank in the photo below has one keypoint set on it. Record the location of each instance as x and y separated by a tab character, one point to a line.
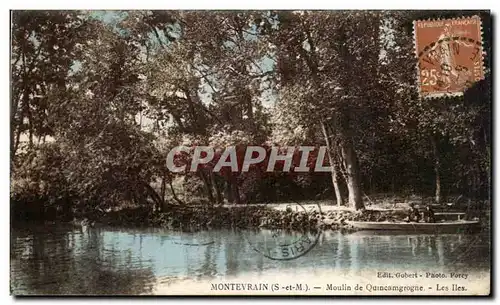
429	214
414	214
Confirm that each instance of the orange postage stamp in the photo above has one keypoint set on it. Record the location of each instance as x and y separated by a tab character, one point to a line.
450	55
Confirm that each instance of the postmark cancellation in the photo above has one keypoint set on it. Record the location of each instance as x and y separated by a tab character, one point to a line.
449	55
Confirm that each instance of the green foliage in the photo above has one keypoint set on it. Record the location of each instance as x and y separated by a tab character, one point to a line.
96	106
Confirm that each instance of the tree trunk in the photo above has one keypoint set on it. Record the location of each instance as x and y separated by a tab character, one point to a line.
338	195
228	192
352	172
437	169
218	193
232	192
208	186
235	189
30	126
14	136
16	142
159	203
163	189
174	195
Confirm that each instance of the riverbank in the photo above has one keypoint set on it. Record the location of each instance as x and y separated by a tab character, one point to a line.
307	215
281	216
196	218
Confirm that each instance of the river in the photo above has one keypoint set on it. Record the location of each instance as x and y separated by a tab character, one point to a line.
56	259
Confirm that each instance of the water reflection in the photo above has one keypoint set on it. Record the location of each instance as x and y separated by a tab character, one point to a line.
65	260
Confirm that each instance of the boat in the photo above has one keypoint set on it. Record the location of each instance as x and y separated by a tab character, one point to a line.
449	216
461	226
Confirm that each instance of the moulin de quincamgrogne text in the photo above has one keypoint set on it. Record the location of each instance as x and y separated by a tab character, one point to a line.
382	283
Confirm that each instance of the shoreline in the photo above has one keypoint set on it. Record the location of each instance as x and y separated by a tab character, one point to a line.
257	216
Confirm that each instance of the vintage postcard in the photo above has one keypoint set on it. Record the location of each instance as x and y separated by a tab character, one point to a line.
250	153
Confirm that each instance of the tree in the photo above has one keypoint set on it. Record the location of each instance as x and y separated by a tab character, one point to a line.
102	102
438	128
41	61
327	64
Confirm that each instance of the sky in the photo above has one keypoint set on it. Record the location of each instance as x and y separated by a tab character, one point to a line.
114	17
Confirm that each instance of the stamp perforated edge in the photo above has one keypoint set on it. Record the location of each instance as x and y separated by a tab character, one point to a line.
483	52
